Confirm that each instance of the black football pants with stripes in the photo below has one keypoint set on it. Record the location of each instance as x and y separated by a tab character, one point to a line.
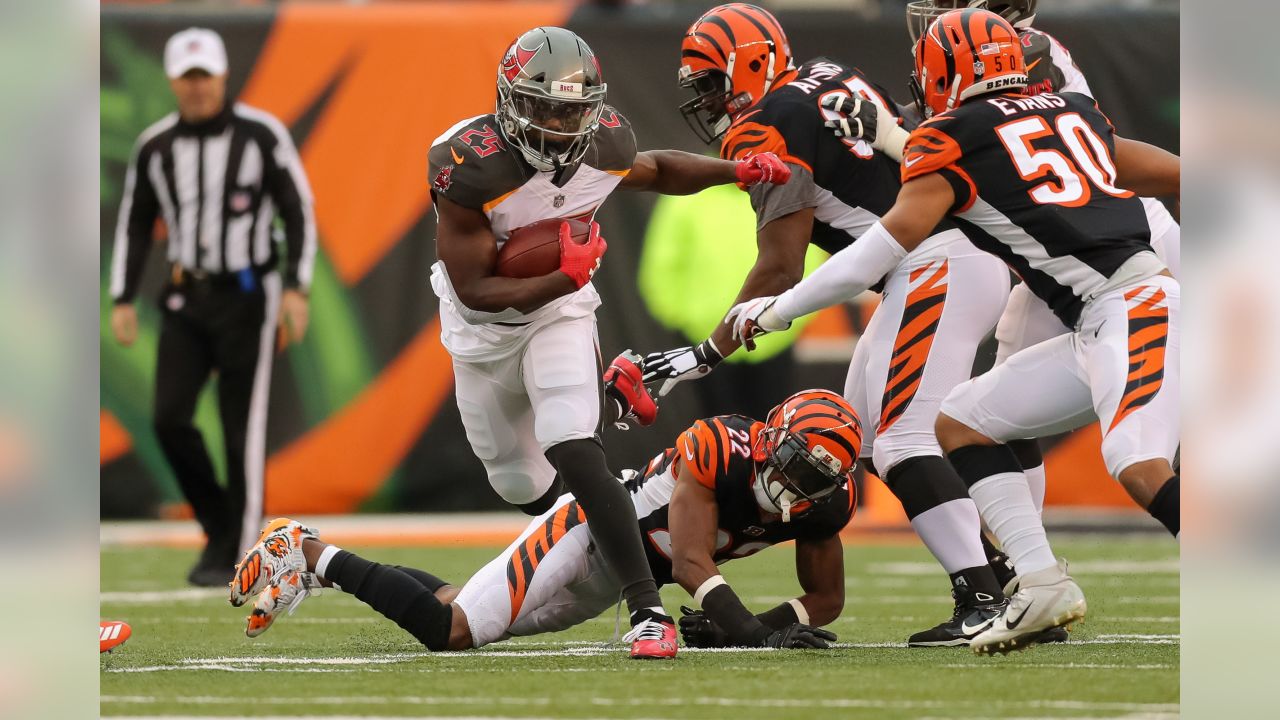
227	331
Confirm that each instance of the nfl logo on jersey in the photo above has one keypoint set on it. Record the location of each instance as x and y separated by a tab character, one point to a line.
558	202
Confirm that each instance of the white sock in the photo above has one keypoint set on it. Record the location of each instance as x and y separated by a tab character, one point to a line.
950	531
1036	480
1006	506
325	556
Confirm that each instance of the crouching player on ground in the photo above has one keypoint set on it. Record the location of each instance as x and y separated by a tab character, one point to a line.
730	487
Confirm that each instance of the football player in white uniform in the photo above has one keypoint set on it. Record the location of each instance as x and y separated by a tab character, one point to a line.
730	487
525	355
1027	320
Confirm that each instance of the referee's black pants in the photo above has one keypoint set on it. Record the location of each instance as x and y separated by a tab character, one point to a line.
223	327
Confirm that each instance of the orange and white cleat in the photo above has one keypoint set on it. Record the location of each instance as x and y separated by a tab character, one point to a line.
652	640
277	552
279	597
112	635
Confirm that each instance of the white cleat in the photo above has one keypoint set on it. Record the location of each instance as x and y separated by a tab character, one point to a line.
1044	600
276	598
277	553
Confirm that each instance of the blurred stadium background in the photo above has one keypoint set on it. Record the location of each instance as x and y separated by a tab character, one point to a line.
362	419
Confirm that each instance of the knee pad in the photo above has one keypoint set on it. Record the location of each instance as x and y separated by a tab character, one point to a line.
544	503
520	481
565	417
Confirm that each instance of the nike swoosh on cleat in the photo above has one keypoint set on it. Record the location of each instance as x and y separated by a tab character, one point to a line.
1011	624
967	629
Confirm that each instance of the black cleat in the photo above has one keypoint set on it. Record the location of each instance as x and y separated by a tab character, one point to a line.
1054	635
1003	568
973	614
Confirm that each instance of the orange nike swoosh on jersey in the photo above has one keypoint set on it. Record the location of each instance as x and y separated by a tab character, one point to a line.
456	157
1034	64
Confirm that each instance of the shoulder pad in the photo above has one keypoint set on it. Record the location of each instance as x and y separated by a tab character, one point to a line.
473	164
613	149
778	124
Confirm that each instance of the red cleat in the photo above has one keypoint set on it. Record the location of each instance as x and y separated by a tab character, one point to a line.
112	635
652	640
624	384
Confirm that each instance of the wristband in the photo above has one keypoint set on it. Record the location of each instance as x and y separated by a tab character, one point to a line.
724	609
710	584
894	143
708	353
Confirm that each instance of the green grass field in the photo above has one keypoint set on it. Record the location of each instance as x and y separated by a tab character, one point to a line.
336	657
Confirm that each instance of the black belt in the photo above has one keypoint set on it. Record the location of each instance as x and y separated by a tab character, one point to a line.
247	280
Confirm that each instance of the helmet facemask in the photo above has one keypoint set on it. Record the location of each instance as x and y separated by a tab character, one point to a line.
795	477
922	13
552	129
708	112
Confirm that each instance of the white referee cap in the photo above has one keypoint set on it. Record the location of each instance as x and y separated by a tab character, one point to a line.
195	48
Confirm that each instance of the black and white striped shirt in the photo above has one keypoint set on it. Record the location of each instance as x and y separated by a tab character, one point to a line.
218	185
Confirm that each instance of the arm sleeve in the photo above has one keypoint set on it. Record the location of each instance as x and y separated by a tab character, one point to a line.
845	275
138	210
287	183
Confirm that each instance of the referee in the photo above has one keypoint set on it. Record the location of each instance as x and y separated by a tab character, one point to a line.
218	174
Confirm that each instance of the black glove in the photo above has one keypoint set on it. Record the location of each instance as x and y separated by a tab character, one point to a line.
800	636
674	366
699	631
858	117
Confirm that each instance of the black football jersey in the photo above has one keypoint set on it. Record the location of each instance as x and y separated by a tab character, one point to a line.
849	185
718	452
1034	182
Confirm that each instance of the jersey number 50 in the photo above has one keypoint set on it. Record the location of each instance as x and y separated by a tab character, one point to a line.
1088	151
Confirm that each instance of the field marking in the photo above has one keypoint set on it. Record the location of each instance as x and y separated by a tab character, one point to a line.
1088	567
152	597
832	703
256	663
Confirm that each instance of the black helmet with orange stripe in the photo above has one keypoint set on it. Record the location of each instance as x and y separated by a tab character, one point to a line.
730	58
964	54
807	451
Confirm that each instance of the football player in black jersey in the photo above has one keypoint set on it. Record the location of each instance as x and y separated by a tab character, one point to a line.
1044	183
937	305
730	487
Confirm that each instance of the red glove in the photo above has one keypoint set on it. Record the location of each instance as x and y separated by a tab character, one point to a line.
581	260
762	168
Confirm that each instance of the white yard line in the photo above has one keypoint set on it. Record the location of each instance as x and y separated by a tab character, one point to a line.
816	703
1088	567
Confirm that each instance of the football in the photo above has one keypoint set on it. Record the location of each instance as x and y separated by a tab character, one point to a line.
534	250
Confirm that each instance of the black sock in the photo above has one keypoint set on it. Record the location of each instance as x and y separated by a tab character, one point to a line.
398	596
978	585
544	503
612	517
1166	505
426	579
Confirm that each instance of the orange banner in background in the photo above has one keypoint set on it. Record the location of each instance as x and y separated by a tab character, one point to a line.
396	76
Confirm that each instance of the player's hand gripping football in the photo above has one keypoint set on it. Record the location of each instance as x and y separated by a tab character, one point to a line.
675	366
755	317
700	631
580	261
861	119
763	168
800	636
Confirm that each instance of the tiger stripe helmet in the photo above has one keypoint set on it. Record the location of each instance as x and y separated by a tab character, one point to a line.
964	54
730	58
808	448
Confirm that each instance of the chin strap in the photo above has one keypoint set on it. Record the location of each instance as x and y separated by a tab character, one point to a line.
785	505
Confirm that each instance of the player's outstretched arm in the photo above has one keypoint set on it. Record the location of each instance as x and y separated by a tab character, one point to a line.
1147	170
674	172
466	246
921	204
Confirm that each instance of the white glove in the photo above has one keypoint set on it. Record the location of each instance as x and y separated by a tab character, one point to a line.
755	317
676	366
862	119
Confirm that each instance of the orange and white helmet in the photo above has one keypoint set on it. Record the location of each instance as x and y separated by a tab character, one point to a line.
963	54
730	58
807	451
